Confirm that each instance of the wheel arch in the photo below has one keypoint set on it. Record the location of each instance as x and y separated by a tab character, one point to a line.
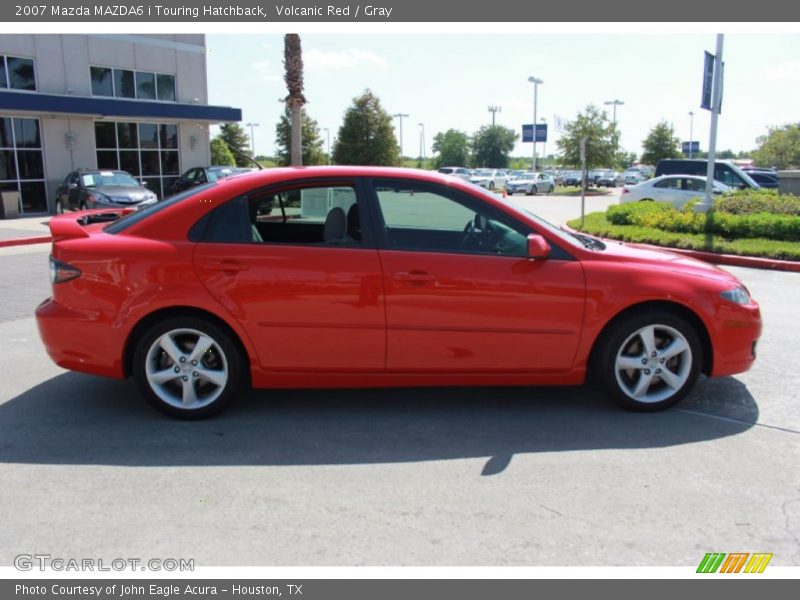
179	311
681	310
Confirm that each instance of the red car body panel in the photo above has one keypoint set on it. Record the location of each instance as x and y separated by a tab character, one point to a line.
366	317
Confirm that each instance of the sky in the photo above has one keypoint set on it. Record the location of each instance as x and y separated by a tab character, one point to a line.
449	81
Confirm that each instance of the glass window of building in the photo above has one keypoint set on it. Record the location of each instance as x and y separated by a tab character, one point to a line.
17	73
22	162
126	83
148	151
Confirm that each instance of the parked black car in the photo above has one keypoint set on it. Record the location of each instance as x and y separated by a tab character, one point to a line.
573	178
766	178
99	188
201	175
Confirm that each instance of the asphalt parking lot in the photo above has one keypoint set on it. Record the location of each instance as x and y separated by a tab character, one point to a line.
547	476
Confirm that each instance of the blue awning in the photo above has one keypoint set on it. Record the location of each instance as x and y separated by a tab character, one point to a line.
115	107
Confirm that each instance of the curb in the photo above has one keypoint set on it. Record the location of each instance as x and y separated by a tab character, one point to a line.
733	260
39	239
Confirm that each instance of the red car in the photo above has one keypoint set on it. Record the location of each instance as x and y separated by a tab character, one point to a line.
369	277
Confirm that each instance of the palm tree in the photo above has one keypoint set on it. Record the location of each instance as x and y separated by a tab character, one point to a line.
293	64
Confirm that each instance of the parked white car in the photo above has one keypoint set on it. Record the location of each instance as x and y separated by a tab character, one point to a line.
460	172
531	183
675	189
491	179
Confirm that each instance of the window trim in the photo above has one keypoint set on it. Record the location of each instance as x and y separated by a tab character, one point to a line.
18	179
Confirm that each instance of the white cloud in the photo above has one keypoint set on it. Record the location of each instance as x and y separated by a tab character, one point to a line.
317	60
786	71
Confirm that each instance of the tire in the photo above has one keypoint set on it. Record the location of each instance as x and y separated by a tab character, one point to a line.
551	190
180	383
83	205
635	377
491	185
532	191
59	207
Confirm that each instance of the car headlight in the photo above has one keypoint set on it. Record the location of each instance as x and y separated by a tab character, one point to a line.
100	198
737	295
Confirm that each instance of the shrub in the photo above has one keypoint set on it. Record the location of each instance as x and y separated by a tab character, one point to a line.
748	202
747	223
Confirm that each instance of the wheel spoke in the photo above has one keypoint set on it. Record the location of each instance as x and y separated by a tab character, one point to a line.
203	344
629	362
673	380
189	393
643	384
677	346
648	337
216	377
162	377
169	346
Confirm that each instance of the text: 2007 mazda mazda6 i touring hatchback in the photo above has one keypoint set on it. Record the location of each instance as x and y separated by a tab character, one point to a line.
370	277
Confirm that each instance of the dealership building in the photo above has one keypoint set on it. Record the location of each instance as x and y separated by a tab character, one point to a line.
133	102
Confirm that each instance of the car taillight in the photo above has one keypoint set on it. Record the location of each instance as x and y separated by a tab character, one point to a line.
61	272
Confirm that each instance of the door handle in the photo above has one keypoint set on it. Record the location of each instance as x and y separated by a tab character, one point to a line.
415	277
228	266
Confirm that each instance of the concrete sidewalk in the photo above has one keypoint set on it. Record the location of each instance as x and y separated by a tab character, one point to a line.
25	230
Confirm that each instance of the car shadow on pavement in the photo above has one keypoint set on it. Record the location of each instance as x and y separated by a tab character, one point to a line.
80	419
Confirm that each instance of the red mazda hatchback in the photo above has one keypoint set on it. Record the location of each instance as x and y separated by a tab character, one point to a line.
371	277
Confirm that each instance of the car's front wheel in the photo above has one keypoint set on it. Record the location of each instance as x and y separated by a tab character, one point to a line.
59	207
649	361
188	367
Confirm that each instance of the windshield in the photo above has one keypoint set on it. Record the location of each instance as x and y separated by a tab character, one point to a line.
110	178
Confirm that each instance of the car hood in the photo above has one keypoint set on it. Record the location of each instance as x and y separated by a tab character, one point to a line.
121	190
664	259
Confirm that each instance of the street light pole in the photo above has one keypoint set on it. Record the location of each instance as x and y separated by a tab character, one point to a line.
328	143
615	103
535	83
400	116
494	110
422	143
691	136
252	139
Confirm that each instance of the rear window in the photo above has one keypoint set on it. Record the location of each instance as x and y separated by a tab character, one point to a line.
132	218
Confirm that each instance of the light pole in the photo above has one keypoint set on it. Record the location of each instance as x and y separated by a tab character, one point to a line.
494	110
422	144
615	103
535	83
400	116
252	138
328	143
691	136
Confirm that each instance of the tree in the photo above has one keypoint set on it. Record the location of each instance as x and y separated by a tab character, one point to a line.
660	143
237	141
220	153
601	139
451	147
491	146
780	148
293	64
366	136
623	159
312	150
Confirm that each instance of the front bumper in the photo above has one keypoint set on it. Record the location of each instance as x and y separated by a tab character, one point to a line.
735	338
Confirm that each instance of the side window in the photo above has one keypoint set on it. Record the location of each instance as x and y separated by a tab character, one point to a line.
326	215
190	175
420	217
724	174
694	185
670	183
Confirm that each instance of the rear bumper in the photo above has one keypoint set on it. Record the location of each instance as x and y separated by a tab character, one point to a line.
79	341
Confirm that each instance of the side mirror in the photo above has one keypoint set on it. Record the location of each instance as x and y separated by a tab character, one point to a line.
73	186
143	182
538	246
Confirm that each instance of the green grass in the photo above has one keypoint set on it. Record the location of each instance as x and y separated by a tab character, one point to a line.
562	190
597	224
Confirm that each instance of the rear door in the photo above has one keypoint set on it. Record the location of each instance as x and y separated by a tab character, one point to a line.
307	290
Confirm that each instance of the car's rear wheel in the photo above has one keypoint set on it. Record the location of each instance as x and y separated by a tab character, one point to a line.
649	361
491	185
188	367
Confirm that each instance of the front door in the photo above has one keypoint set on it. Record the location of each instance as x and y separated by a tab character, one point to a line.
461	296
